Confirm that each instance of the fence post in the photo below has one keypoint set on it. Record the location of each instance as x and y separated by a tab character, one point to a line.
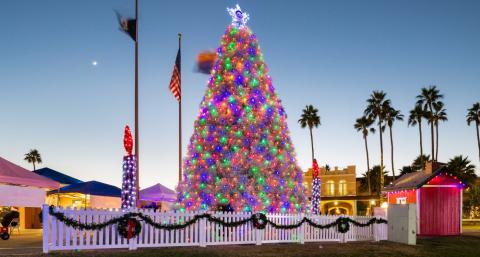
132	242
203	232
301	229
258	236
46	229
375	232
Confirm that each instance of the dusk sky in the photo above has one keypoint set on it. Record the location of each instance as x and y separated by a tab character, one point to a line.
331	54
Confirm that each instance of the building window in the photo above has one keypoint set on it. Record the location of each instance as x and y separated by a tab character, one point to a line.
401	200
330	187
342	187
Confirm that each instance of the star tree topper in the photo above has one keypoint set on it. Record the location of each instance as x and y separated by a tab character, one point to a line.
239	18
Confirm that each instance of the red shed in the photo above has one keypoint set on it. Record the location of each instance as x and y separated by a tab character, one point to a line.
438	196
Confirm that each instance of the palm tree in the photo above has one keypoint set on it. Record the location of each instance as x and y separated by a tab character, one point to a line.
473	115
427	98
463	169
405	170
416	116
376	109
439	114
420	162
363	124
391	116
33	157
471	206
375	177
311	119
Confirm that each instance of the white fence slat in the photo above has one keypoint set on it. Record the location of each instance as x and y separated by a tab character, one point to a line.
54	231
68	230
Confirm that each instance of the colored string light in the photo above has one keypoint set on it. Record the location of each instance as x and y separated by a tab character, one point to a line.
240	156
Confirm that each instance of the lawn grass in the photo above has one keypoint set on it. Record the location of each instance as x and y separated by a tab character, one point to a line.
440	246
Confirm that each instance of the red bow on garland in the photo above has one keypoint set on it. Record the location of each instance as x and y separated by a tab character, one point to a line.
131	228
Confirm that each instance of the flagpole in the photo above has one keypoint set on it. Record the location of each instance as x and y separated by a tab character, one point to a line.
137	204
180	119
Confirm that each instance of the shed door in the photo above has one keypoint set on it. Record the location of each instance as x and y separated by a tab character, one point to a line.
440	211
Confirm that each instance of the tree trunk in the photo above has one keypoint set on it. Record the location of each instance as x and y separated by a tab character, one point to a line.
33	166
436	145
433	134
391	151
478	140
368	167
421	144
311	141
381	158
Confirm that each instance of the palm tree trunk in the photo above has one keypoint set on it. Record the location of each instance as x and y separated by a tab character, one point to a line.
391	151
368	167
33	166
433	142
311	141
436	145
421	141
421	144
478	140
433	134
381	158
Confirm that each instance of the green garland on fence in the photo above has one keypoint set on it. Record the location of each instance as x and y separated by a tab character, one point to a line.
259	221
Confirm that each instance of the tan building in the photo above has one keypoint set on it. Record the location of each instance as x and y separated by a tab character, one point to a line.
338	191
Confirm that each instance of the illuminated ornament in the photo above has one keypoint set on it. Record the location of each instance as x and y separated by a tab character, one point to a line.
129	179
239	18
128	140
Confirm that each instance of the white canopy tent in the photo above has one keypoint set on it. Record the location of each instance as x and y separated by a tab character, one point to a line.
24	190
21	187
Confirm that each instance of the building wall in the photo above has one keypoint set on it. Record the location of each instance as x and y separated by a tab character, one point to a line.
105	202
82	201
409	195
336	175
337	207
335	204
440	209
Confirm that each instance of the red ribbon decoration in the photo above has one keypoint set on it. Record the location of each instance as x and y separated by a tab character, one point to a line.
131	227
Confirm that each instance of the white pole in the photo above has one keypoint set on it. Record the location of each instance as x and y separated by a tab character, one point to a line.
461	210
45	226
418	210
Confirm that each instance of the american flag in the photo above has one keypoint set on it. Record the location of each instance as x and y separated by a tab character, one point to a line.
175	82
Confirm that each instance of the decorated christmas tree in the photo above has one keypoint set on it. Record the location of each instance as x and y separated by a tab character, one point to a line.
240	156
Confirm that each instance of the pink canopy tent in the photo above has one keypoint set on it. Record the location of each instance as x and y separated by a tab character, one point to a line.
13	174
158	193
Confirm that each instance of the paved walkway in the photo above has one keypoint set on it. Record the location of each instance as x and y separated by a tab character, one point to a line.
27	242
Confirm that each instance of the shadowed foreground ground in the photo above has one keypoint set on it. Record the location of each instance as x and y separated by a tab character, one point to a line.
444	247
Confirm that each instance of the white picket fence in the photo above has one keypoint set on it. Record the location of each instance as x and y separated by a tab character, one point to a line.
58	236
